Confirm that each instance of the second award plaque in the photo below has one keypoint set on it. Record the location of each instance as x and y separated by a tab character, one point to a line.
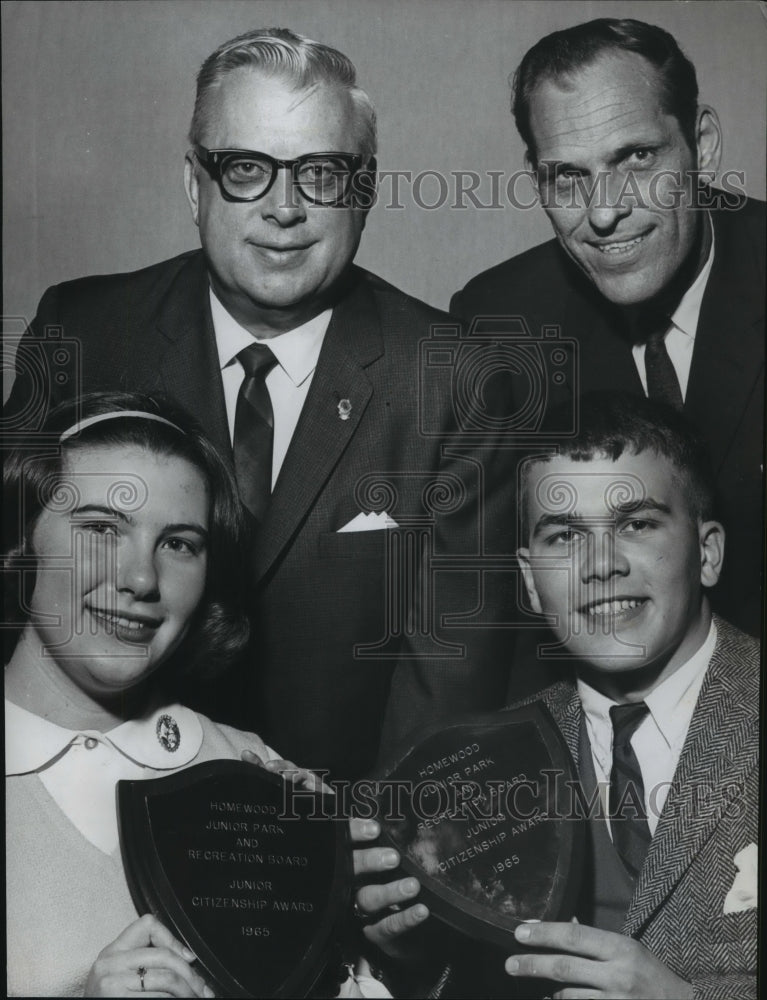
480	811
259	898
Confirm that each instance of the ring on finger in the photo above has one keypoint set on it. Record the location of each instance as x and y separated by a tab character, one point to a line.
362	916
141	972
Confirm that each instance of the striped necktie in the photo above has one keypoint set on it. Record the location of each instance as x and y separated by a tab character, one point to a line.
628	819
254	430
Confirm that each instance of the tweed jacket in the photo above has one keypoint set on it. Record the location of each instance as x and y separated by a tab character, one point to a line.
710	815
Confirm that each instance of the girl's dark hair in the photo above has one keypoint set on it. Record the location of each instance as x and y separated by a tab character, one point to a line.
32	477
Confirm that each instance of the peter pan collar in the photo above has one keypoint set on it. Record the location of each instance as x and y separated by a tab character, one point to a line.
163	738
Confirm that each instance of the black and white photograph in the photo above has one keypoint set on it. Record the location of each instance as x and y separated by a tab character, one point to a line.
383	498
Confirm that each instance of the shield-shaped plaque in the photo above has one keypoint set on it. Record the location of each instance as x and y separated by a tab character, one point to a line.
482	813
258	897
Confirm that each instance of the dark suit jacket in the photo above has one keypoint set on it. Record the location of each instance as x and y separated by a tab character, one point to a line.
319	594
725	395
710	815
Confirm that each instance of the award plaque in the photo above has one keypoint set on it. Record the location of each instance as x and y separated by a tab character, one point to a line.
259	898
481	813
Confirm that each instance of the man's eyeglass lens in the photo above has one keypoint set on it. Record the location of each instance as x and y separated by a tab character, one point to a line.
323	179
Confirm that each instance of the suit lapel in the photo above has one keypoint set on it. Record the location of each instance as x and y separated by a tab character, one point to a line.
728	354
189	365
564	704
352	342
720	749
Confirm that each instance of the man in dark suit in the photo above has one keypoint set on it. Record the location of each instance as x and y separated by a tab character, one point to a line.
659	278
306	368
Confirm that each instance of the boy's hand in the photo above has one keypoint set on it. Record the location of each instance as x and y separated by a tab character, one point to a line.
387	906
593	963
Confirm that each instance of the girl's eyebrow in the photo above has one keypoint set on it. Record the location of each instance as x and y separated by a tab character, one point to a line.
186	526
88	510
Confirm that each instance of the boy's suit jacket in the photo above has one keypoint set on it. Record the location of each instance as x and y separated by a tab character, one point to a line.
318	593
725	394
710	815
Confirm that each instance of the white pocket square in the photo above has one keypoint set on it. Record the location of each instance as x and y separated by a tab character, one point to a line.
369	522
743	893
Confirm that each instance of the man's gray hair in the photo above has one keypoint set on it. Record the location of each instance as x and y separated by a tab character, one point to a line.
281	52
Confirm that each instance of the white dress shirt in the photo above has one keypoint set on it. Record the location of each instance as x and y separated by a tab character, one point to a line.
680	336
659	738
296	351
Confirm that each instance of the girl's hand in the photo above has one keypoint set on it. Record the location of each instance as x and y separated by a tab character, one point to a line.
146	958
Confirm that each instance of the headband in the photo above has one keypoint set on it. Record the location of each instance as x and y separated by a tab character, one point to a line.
114	415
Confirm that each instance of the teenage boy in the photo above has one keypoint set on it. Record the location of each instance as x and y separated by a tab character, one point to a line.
660	714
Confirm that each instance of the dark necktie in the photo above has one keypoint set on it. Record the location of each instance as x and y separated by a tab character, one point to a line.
628	819
662	381
254	430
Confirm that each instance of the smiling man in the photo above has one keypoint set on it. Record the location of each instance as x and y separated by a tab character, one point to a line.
661	714
304	369
658	276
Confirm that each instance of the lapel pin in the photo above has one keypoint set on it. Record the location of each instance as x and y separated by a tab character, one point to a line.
344	409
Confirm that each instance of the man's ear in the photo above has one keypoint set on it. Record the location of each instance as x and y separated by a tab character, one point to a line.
523	555
192	186
711	535
708	139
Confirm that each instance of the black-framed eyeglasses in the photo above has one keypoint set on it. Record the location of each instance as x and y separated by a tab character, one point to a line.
247	175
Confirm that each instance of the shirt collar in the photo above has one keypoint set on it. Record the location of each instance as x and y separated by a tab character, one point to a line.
686	314
163	738
671	703
596	705
297	351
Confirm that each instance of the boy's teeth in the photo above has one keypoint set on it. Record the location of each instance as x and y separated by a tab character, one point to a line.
613	607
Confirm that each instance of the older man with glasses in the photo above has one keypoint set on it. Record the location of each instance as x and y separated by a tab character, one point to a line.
305	369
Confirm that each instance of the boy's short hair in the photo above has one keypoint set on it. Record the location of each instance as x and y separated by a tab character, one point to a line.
611	423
